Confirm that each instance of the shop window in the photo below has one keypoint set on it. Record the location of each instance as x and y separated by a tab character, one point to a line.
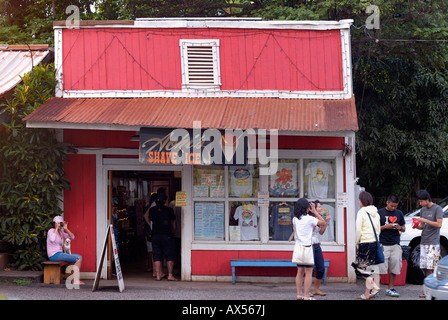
244	221
319	179
226	199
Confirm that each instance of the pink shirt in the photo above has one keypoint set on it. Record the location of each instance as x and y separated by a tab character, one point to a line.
55	242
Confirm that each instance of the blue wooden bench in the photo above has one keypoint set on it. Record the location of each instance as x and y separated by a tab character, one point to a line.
268	263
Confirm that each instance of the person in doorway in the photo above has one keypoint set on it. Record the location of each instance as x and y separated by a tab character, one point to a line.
430	222
318	255
55	240
365	264
162	219
304	222
177	236
148	237
392	223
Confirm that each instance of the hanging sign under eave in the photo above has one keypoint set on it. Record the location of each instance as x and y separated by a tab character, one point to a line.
193	146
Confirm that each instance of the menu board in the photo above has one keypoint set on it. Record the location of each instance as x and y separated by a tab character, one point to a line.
209	221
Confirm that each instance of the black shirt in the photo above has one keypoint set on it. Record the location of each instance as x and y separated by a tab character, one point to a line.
161	218
389	237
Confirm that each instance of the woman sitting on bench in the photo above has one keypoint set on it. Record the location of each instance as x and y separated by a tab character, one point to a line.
55	240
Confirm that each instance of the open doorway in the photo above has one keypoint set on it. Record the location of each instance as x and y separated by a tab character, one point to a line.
129	198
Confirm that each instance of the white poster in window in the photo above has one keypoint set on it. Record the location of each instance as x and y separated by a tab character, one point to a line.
200	191
342	199
263	199
217	192
235	234
209	221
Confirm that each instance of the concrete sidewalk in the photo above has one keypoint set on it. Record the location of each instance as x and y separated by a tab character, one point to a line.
146	288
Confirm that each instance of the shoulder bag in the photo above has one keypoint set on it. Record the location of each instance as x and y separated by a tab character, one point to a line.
302	255
379	251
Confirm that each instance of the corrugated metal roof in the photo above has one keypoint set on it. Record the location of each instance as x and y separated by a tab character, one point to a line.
220	113
15	61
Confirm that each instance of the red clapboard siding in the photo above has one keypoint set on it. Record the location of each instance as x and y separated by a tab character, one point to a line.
250	59
80	208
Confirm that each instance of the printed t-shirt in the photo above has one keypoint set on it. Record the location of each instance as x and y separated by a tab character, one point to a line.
390	237
318	173
241	182
247	217
281	221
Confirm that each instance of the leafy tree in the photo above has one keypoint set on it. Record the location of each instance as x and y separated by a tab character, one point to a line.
31	21
400	82
33	182
26	21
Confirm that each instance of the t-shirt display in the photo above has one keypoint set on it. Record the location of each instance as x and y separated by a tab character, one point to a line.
329	234
318	173
281	221
284	181
247	216
241	179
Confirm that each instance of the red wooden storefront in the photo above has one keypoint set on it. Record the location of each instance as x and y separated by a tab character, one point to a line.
118	77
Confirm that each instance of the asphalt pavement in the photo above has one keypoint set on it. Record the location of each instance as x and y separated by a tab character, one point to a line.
144	287
180	299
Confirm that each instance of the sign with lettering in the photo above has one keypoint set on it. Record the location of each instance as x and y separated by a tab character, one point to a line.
193	146
181	199
110	236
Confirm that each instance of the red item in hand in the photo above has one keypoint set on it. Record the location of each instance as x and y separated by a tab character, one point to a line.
415	223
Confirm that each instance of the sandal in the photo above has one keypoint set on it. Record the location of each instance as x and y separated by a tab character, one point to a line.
319	293
172	279
308	298
374	292
161	277
363	297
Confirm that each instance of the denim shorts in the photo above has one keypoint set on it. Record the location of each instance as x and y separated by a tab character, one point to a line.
61	256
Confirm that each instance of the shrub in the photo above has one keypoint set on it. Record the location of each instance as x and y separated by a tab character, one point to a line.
33	179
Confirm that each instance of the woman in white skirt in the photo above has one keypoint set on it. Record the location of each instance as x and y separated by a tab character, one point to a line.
304	222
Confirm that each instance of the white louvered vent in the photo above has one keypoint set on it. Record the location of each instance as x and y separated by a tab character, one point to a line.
200	64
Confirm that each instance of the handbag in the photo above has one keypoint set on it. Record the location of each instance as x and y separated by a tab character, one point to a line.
379	251
302	254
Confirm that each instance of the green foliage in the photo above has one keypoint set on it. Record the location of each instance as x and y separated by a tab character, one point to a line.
34	179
